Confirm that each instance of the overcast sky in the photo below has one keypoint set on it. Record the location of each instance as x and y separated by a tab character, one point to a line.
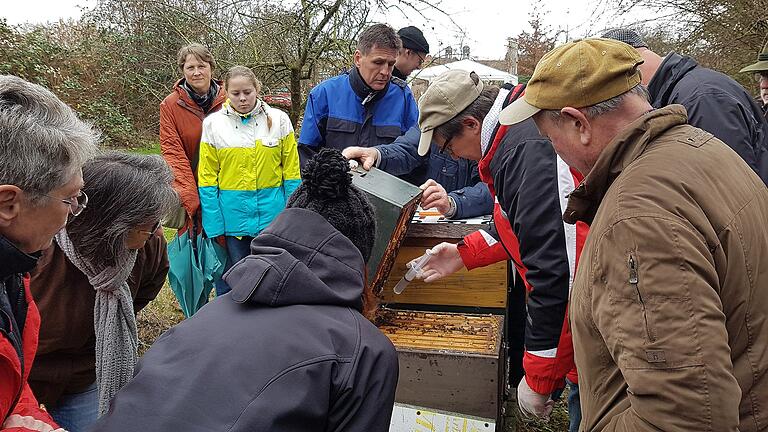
486	24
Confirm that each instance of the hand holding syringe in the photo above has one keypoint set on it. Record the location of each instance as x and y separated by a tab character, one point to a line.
414	269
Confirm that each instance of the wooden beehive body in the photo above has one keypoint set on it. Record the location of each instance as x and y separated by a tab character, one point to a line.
449	334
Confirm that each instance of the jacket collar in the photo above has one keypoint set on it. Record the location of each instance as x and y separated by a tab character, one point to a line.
670	72
14	260
620	153
192	105
368	95
396	73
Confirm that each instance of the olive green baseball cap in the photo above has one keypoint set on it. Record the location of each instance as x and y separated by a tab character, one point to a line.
447	95
762	62
577	74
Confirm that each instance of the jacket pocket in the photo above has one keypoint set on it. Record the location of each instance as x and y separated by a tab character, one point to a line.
270	142
653	321
340	133
386	134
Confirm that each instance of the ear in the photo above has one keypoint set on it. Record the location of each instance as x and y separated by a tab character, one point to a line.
581	123
472	124
357	58
10	203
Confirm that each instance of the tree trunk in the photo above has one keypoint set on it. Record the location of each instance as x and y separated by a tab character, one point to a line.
296	97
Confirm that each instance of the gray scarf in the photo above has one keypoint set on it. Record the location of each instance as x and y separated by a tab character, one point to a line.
113	320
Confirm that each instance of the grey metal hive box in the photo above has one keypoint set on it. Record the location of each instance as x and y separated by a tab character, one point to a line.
394	202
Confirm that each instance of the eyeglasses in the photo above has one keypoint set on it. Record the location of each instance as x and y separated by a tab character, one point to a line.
759	76
421	59
447	148
76	204
150	232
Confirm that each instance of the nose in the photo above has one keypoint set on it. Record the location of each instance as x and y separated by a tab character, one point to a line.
764	82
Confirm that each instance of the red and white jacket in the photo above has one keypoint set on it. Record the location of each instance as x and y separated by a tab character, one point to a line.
19	327
531	185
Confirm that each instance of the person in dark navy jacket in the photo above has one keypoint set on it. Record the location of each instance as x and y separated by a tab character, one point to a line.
365	106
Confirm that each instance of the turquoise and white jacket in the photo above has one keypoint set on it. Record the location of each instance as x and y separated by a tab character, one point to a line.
247	169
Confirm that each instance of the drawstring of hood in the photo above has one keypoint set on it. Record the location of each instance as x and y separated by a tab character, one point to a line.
259	108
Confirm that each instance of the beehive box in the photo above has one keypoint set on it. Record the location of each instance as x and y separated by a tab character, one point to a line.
448	361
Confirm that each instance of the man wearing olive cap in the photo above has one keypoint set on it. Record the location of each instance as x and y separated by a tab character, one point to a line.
760	71
669	310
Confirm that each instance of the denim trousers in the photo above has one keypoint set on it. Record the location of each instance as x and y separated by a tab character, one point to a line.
76	412
237	249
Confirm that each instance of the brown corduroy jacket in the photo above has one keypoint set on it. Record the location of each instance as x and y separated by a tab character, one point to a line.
669	307
65	361
181	124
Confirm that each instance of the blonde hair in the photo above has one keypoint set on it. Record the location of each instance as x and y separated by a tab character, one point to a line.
245	72
200	52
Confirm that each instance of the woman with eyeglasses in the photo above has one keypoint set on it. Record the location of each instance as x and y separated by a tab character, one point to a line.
106	265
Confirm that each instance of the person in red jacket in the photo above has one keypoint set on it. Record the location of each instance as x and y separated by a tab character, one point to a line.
460	115
43	146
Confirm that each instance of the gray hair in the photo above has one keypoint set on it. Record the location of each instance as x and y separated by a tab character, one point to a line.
607	106
380	36
479	108
124	190
42	141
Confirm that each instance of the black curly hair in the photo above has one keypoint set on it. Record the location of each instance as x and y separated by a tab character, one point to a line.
327	189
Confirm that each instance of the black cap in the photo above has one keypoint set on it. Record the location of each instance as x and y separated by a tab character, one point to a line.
413	39
628	36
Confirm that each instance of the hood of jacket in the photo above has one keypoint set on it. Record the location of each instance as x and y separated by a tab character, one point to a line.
300	259
622	151
670	72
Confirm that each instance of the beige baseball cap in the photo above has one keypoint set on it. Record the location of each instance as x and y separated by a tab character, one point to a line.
578	74
447	96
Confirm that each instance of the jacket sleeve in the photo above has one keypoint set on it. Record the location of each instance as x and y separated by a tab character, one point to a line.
411	111
482	248
474	200
402	155
155	271
208	180
728	119
530	197
312	136
655	304
290	158
28	406
173	153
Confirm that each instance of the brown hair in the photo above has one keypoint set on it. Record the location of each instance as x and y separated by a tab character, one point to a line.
380	36
200	52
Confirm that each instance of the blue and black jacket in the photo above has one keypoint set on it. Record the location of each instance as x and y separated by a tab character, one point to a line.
459	177
344	111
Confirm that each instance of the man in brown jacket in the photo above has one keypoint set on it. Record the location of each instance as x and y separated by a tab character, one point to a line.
669	308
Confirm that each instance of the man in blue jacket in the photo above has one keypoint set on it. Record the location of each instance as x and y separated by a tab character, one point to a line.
436	173
363	107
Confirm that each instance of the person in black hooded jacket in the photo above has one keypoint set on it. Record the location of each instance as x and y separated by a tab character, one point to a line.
288	349
714	101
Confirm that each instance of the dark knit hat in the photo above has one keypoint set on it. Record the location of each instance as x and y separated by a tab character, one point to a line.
327	189
628	36
413	39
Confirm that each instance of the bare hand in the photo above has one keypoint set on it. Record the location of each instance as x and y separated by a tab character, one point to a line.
28	422
532	404
445	261
435	196
366	155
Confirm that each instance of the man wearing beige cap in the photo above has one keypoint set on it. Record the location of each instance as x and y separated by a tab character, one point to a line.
669	310
459	115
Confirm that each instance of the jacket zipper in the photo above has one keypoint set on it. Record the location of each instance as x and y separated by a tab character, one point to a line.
633	281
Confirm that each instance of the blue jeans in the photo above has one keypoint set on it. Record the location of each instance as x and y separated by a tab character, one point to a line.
574	405
76	412
237	249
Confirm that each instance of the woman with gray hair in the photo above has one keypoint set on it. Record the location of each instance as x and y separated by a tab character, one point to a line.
107	264
43	145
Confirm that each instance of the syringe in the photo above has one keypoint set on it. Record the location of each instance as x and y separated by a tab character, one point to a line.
412	272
